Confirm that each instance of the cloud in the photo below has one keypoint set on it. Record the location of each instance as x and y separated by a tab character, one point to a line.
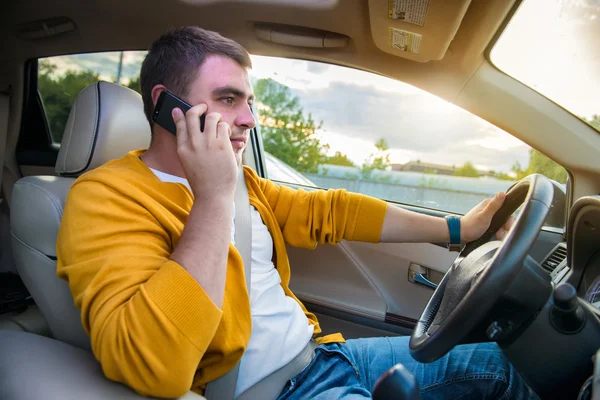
316	68
418	125
105	64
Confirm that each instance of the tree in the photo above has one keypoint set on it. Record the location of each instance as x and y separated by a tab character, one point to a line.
540	164
468	169
287	133
340	159
595	121
379	160
501	175
134	84
58	94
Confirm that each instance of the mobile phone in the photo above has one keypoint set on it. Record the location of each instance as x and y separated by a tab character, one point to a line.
167	101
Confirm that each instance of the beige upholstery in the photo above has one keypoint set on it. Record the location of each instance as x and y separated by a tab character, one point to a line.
30	320
105	122
36	214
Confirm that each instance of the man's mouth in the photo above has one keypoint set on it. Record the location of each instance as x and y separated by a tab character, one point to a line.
239	142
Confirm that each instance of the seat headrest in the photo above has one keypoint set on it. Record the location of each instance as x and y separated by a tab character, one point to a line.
106	122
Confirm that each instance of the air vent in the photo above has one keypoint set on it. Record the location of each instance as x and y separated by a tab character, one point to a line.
556	257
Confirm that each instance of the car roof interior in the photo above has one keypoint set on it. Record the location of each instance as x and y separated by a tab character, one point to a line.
453	65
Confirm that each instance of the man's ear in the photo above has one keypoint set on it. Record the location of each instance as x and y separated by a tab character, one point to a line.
156	91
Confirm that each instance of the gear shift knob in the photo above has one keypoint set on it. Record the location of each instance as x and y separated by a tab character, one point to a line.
566	315
397	383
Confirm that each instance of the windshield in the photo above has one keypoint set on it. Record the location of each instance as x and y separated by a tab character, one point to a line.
553	46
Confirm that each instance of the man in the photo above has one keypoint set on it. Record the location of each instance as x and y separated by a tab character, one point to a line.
146	245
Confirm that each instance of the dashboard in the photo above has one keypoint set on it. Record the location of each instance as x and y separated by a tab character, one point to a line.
577	261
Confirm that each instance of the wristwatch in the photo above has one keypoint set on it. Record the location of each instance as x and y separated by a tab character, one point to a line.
454	230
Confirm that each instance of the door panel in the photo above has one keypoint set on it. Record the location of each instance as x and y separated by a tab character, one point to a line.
354	329
330	276
366	279
359	282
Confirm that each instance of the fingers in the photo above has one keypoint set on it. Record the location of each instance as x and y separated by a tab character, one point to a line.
495	203
483	204
192	118
180	125
223	131
505	228
188	127
211	126
500	234
509	223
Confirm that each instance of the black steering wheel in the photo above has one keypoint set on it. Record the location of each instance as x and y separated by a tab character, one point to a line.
482	272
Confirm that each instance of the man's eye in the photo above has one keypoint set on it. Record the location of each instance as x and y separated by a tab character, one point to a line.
227	100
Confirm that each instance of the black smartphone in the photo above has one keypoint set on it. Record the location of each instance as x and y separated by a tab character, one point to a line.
167	101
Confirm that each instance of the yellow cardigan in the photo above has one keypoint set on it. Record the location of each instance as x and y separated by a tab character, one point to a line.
151	324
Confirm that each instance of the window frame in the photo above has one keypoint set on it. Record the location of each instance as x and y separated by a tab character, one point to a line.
35	145
260	159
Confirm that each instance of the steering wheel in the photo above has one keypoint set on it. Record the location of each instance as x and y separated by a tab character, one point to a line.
482	272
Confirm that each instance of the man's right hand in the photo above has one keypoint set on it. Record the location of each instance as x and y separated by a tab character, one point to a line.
206	157
209	164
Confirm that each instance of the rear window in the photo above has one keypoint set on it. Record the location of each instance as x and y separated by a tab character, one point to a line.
60	79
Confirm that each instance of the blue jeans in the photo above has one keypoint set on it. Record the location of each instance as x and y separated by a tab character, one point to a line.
350	370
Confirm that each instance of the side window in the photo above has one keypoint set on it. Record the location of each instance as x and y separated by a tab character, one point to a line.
60	79
334	127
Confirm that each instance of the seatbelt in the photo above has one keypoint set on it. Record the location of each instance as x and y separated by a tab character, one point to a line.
223	388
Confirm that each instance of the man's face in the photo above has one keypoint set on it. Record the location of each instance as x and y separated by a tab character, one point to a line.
224	86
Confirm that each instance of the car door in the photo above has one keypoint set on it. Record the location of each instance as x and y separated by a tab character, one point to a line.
319	128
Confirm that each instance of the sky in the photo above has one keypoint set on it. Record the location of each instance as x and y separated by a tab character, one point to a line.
357	108
554	47
551	45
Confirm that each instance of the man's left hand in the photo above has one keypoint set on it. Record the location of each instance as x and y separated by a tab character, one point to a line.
478	219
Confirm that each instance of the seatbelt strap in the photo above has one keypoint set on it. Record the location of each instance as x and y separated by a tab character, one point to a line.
4	113
223	388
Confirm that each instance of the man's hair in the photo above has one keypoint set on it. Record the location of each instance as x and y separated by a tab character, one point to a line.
174	59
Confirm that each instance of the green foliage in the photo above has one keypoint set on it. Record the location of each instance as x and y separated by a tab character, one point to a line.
340	159
134	84
540	164
287	133
59	93
379	160
502	175
595	121
432	182
468	169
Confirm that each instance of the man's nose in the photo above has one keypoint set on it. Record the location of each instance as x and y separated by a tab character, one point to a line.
246	119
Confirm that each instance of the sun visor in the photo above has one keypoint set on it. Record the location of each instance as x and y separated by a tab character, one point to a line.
420	30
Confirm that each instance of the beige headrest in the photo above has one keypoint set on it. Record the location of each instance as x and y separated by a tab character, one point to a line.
106	122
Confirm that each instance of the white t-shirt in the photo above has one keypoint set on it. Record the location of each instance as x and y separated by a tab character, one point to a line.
280	329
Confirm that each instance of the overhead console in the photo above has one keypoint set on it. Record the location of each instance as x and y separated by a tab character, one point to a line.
420	30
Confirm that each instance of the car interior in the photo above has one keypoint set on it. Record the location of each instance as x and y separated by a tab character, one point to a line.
534	293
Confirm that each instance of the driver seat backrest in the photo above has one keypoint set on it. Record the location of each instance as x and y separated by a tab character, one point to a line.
106	122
